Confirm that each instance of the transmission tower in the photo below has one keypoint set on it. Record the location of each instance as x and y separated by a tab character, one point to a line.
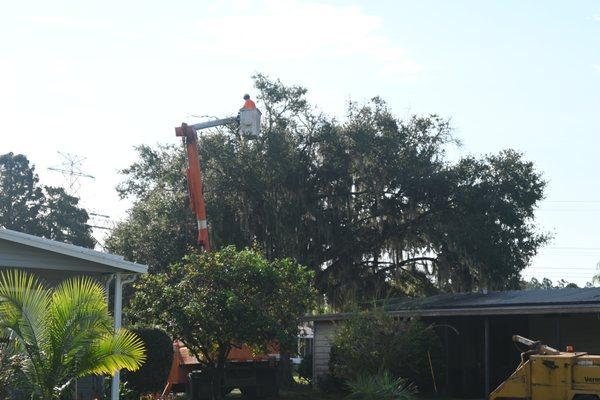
100	221
71	170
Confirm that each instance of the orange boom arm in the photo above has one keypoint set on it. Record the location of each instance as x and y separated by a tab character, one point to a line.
194	176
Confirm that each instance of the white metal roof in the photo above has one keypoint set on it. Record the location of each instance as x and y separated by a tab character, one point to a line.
99	258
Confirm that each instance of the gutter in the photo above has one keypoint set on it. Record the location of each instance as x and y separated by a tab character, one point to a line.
472	311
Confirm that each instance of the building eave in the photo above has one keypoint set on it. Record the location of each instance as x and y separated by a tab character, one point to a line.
69	250
473	311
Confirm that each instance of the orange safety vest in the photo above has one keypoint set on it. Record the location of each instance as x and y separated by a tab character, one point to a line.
249	105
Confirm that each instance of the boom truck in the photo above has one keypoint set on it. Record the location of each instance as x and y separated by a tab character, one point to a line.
548	374
254	374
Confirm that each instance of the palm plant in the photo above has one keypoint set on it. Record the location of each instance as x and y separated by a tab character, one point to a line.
63	334
381	387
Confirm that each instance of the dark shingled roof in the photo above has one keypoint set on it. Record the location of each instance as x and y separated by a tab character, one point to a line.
498	299
538	301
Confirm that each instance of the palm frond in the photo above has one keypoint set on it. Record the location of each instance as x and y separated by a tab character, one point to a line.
113	352
63	335
24	304
78	315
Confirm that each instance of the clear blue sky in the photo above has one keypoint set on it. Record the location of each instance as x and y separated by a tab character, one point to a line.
96	78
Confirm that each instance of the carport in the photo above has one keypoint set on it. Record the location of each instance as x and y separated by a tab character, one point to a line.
482	354
54	262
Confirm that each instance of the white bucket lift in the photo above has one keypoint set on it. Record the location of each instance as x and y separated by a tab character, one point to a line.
250	122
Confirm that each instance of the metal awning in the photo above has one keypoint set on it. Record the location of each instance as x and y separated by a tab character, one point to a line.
20	250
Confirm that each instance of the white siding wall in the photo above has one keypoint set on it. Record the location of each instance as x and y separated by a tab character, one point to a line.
324	332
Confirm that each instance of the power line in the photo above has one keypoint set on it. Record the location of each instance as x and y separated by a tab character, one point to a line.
568	268
570	248
568	209
570	201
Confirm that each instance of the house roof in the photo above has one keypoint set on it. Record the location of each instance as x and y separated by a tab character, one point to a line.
21	250
538	301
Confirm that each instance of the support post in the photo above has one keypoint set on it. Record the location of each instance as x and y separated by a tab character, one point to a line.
447	351
559	344
486	328
114	395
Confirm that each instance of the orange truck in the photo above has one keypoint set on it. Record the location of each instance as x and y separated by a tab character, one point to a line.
255	375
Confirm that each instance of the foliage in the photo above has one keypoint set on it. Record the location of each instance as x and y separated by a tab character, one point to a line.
493	201
595	278
305	369
373	342
152	376
330	384
215	301
12	384
372	204
547	284
381	387
29	207
63	334
159	229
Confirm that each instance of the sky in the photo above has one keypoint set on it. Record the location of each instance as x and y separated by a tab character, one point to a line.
95	79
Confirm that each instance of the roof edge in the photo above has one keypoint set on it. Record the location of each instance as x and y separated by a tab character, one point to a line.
72	250
472	311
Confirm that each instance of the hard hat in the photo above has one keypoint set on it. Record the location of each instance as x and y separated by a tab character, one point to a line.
246	96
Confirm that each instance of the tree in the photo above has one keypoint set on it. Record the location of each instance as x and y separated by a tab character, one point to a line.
213	302
63	334
29	207
372	204
159	228
547	284
491	208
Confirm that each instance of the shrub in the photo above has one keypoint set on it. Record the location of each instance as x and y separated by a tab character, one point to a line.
13	385
372	342
152	376
381	387
305	369
330	384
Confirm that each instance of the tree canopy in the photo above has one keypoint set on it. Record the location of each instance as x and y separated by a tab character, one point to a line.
29	207
546	283
372	203
215	301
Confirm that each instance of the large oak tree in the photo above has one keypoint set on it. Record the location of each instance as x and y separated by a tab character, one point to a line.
372	203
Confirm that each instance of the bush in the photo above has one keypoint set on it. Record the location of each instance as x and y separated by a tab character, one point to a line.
371	343
152	376
330	384
381	387
305	369
13	385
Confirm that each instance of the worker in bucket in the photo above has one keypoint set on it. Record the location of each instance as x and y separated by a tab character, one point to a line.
248	104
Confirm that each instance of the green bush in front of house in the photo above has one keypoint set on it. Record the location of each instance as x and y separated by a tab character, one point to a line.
373	343
152	376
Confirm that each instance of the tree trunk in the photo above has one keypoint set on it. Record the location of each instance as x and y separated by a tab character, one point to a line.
285	370
218	375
